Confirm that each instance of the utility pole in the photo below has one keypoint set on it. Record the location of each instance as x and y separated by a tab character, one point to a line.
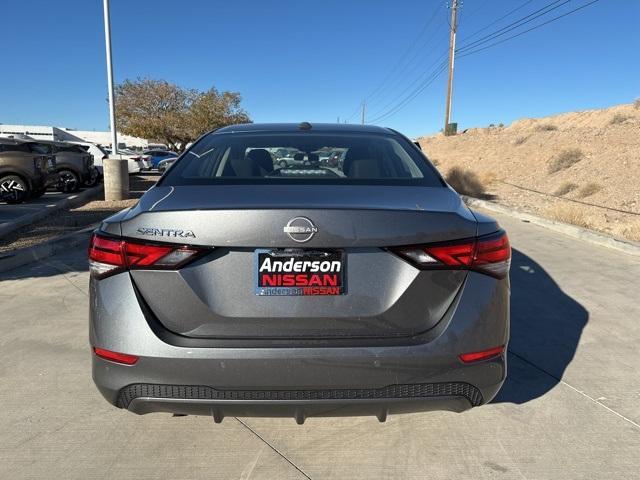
364	109
452	54
115	170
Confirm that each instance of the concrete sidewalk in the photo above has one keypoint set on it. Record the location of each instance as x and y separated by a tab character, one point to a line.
569	409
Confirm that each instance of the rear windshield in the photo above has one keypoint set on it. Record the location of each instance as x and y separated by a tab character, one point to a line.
71	148
302	158
42	148
18	147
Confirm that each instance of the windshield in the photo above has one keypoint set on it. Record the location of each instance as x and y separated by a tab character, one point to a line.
357	159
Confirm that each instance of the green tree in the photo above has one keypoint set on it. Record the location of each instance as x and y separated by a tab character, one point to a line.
160	110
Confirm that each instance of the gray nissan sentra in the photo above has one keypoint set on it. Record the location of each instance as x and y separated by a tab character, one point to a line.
243	285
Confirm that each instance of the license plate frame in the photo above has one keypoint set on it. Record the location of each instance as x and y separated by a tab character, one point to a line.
311	281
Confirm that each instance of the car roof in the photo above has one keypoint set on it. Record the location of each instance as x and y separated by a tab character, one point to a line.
13	141
304	126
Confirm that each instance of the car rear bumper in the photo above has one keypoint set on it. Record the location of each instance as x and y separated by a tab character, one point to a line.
188	400
300	381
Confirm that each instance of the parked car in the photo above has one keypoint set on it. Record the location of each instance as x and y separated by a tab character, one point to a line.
24	170
69	156
144	161
333	159
233	288
163	165
134	160
98	152
156	156
73	164
292	159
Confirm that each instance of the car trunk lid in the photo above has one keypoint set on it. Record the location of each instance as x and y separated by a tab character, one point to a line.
216	296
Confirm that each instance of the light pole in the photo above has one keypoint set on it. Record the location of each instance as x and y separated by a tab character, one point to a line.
115	170
112	113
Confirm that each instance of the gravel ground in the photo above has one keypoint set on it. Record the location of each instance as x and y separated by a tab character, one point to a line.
66	221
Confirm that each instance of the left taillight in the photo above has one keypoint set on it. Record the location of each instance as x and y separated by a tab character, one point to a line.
489	254
123	358
109	255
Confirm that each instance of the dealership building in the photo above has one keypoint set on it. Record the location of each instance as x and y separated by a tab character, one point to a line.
41	132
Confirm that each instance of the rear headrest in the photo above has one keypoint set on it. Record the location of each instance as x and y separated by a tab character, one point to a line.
262	158
241	167
358	163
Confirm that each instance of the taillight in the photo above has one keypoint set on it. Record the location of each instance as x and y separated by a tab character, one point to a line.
482	355
490	254
117	357
108	256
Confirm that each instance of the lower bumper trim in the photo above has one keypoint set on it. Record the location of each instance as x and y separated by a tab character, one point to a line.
389	393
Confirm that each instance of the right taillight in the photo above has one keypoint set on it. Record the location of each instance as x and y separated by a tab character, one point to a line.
490	254
109	255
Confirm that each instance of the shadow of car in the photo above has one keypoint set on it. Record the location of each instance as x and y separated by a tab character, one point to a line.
546	326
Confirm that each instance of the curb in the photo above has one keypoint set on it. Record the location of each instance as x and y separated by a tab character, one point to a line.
24	256
591	236
69	202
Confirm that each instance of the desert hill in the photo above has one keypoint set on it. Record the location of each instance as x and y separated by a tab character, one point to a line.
590	157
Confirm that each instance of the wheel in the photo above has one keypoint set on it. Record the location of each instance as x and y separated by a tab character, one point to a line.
13	189
93	179
69	181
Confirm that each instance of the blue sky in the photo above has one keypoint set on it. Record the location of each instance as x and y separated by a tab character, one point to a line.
316	60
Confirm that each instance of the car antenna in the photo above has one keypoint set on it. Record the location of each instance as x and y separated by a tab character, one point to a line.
305	126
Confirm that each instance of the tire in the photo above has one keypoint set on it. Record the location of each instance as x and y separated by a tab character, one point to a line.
69	181
13	189
93	179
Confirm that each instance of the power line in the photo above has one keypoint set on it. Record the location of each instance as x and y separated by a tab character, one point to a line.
512	26
394	70
398	68
435	74
465	54
423	77
496	21
355	112
470	49
408	72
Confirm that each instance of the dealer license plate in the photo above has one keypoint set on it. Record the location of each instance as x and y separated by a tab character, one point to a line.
299	272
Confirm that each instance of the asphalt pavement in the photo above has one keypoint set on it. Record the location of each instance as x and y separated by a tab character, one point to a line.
10	213
570	408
